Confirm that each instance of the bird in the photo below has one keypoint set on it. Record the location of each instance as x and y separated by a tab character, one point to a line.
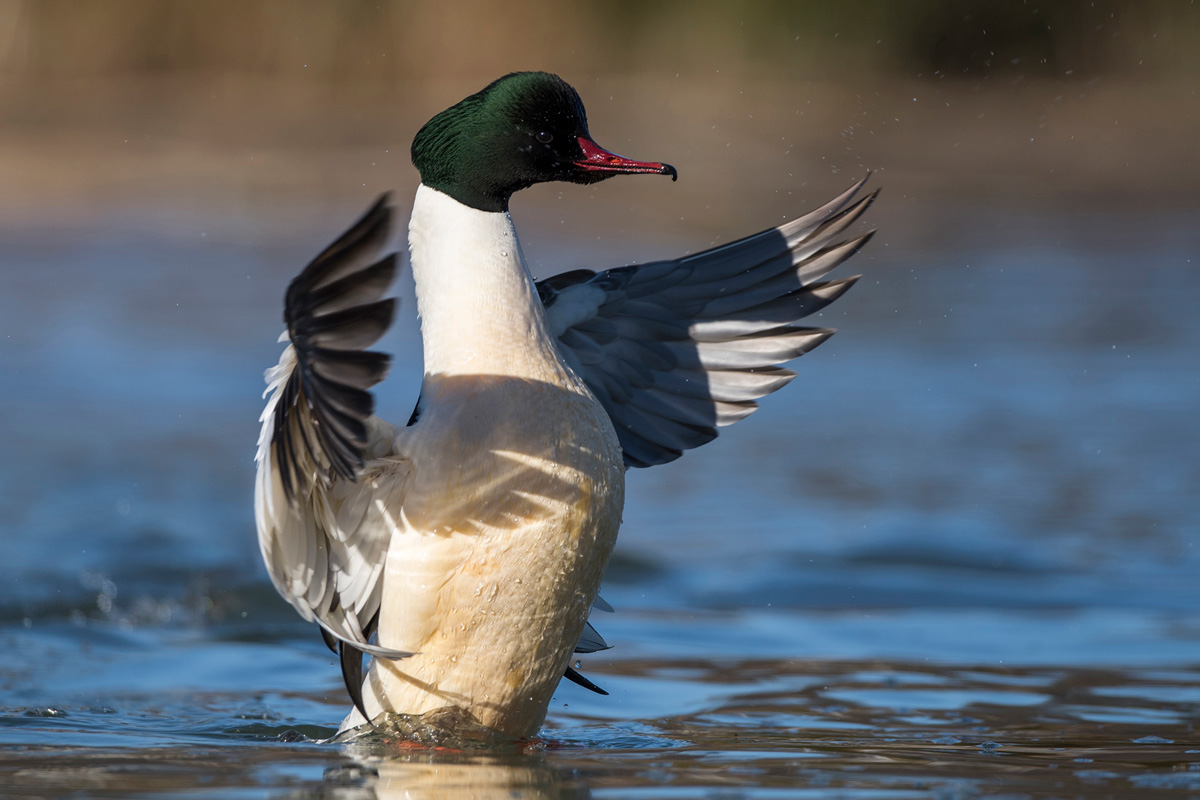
463	551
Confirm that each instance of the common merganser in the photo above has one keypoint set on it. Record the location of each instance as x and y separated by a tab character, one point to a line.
470	543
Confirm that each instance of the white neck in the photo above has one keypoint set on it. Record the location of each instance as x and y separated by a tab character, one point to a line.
480	313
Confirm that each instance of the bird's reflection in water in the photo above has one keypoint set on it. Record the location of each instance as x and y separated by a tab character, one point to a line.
386	767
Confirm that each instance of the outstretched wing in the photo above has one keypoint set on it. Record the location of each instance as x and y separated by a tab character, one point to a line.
676	349
327	470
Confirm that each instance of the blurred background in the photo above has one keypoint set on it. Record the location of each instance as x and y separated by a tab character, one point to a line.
995	461
231	109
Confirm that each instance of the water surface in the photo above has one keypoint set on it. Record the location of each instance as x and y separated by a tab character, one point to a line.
955	558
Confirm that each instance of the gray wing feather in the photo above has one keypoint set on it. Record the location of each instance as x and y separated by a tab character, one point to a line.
591	641
676	349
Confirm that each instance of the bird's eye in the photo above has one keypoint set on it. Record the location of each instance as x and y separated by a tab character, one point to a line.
545	137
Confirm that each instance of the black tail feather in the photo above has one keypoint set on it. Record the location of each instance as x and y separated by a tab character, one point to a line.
576	678
352	675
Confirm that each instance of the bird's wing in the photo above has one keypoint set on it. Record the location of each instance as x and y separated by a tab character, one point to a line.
328	471
676	349
590	642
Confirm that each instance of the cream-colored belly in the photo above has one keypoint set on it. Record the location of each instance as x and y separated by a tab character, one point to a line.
501	544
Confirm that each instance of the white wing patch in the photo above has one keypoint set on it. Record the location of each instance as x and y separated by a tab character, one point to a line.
325	552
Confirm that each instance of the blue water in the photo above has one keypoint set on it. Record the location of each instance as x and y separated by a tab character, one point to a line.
955	558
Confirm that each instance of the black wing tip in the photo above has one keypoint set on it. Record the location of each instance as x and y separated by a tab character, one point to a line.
851	192
391	261
849	249
835	283
352	675
819	337
385	199
861	242
828	292
840	286
355	328
378	214
375	225
577	679
849	203
844	217
333	312
352	668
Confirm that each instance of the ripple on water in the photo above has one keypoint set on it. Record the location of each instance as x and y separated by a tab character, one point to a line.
979	585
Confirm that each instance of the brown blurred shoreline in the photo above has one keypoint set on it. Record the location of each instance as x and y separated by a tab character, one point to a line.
276	110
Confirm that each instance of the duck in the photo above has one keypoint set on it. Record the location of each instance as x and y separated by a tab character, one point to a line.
461	553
